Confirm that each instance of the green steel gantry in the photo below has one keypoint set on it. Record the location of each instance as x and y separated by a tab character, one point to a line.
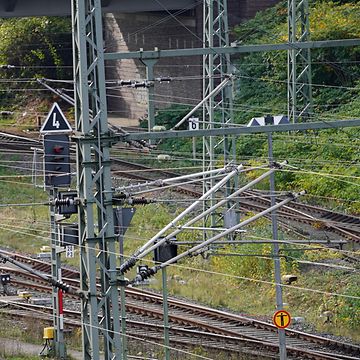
99	306
300	104
217	71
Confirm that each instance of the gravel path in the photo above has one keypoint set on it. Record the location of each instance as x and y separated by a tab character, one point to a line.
11	347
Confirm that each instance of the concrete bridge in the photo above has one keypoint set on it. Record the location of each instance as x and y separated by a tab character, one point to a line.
20	8
147	30
134	24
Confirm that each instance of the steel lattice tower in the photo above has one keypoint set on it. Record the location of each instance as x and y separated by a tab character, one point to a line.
217	69
300	105
100	307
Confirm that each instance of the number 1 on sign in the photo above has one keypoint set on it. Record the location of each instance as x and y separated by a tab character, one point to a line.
56	123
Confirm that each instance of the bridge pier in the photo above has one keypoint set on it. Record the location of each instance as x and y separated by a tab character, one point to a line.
148	30
131	32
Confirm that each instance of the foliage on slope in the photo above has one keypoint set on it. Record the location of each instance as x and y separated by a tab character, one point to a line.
246	282
327	161
263	76
36	48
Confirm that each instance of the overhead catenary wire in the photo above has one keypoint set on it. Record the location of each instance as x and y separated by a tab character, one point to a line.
255	280
128	264
300	216
61	92
186	78
296	169
200	77
317	62
23	204
172	15
154	242
191	103
259	281
182	227
314	161
270	257
337	177
172	182
185	227
18	229
317	173
150	272
160	182
318	291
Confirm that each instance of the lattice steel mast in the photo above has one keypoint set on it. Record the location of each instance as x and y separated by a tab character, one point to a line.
216	68
300	104
100	308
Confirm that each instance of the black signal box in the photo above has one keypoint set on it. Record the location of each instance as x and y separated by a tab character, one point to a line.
57	160
69	235
165	252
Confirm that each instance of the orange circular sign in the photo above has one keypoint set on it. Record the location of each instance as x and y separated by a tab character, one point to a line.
281	319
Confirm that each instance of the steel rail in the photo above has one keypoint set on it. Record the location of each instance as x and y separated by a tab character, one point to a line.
348	228
226	337
207	319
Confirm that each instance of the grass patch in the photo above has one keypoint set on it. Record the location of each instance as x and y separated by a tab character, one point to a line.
258	299
23	357
30	332
245	283
25	330
23	227
238	283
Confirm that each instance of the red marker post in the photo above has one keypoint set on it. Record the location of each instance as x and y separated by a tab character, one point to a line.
61	309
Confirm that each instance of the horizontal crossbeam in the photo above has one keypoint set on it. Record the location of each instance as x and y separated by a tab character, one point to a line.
157	54
241	130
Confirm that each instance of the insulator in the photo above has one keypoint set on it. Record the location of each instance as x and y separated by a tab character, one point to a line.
5	112
127	265
277	165
7	66
122	196
165	78
124	82
63	202
140	84
60	285
292	195
230	167
159	182
146	274
139	201
164	157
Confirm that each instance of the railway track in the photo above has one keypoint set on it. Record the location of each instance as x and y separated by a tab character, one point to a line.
16	142
343	225
184	315
346	226
179	336
221	325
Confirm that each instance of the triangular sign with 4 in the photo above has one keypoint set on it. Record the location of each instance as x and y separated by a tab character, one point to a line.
55	121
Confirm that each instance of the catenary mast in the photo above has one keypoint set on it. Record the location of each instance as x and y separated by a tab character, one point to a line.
99	307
